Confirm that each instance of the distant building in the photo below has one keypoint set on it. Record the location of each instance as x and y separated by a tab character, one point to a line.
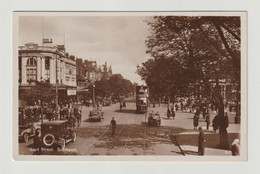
46	63
97	72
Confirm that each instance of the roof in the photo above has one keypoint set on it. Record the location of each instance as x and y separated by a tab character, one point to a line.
56	122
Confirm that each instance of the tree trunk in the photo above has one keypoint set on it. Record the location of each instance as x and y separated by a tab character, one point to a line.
223	134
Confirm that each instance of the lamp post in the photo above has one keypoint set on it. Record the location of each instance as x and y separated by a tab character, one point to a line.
56	84
93	95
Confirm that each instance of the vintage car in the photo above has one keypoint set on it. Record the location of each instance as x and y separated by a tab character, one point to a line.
154	120
56	134
27	131
96	115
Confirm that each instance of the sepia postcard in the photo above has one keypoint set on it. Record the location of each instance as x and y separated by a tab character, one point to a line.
130	86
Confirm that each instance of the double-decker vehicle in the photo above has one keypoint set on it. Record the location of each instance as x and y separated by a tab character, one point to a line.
141	99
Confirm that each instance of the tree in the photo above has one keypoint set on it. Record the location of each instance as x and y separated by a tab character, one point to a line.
42	91
116	85
189	50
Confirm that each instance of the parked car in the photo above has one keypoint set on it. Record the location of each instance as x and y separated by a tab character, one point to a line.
96	115
154	120
56	134
27	131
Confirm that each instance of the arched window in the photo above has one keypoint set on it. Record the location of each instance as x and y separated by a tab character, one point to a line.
31	71
31	61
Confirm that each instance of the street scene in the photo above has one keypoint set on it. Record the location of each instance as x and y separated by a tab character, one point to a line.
133	138
129	85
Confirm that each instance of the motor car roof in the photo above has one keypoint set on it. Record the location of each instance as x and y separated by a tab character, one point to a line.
56	122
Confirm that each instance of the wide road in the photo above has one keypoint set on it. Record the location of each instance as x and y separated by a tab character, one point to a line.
132	137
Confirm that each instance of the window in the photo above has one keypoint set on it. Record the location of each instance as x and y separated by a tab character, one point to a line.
31	74
47	68
47	63
47	74
31	61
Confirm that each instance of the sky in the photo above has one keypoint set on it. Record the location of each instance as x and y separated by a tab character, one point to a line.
117	40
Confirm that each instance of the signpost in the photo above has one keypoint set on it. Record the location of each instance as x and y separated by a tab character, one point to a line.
71	92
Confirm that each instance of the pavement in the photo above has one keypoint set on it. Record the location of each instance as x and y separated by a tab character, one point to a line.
185	120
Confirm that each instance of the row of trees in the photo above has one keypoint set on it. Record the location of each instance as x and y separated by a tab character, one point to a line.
193	50
115	85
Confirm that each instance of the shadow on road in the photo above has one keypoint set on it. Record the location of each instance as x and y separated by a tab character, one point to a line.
189	152
131	111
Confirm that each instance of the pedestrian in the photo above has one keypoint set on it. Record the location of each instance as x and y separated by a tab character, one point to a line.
121	106
168	113
225	120
215	123
173	113
201	141
195	121
124	104
72	118
113	126
37	142
49	113
198	111
182	106
235	147
207	121
176	107
57	112
204	111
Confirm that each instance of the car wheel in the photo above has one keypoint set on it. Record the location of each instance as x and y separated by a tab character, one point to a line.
62	143
25	137
74	136
48	140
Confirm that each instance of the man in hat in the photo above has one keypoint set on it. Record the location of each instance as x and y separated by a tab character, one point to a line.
201	141
113	126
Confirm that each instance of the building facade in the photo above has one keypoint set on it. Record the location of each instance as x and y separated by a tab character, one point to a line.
46	63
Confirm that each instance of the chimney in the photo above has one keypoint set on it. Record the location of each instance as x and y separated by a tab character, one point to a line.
47	42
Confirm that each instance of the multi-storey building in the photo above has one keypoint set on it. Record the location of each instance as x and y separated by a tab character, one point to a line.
46	63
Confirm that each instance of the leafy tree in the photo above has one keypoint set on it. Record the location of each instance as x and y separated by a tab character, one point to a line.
189	50
42	91
116	84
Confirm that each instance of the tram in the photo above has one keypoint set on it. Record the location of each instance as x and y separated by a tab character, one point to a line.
141	99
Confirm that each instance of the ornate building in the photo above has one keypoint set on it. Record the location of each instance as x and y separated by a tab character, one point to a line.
46	63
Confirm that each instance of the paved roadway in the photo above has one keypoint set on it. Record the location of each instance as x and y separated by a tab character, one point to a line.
132	137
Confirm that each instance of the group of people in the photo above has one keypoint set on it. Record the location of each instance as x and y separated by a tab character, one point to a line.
69	110
206	116
73	114
29	114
